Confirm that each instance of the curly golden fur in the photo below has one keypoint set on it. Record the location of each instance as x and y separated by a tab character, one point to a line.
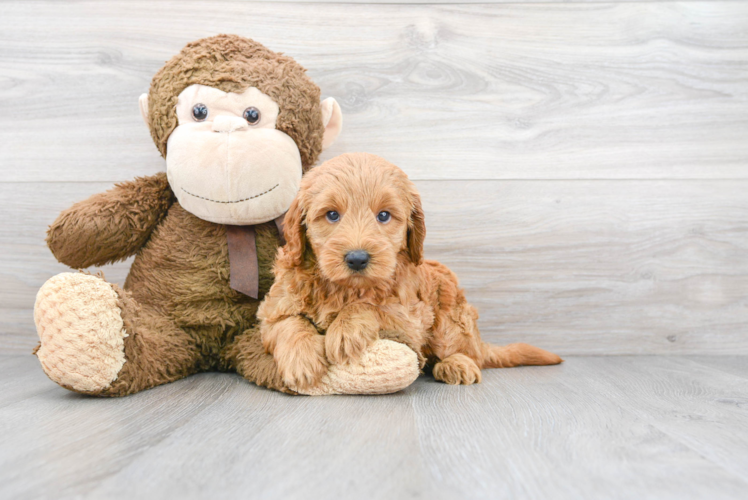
320	311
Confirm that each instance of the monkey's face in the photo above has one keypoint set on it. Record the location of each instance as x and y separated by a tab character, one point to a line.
226	162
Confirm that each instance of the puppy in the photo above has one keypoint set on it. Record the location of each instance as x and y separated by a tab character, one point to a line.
352	270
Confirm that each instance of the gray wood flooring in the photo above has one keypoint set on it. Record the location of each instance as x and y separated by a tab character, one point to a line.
595	427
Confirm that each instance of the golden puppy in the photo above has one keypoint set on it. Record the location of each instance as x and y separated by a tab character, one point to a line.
352	270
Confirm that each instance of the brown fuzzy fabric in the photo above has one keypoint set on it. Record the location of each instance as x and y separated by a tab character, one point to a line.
233	64
247	356
179	310
110	226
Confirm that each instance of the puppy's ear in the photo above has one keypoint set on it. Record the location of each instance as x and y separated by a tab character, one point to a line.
416	230
295	232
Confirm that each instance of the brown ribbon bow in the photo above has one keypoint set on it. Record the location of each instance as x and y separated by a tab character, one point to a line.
245	270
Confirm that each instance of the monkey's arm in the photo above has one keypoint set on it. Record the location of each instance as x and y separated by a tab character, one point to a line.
110	226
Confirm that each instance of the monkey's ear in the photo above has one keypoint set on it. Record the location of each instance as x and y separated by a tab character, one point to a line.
143	101
332	120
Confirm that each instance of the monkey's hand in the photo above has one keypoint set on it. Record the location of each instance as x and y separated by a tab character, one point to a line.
355	329
110	226
298	351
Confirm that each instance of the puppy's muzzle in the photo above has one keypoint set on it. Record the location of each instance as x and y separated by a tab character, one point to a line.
357	260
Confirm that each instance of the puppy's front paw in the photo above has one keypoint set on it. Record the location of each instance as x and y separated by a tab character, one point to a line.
303	364
347	340
457	369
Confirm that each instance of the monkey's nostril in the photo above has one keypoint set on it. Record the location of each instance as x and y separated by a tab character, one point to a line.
357	260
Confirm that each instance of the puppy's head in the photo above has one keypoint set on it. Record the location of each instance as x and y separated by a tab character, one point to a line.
356	216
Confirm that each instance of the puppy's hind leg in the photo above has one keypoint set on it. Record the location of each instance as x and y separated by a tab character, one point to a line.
457	369
516	355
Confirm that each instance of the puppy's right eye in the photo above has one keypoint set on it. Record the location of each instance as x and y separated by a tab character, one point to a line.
199	112
332	216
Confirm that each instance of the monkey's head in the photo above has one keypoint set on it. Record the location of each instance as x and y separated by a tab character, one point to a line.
238	124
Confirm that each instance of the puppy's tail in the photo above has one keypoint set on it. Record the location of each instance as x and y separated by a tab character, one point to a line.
516	355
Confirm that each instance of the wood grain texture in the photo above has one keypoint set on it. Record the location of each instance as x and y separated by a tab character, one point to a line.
25	261
645	427
538	99
504	91
584	171
569	436
460	2
734	365
580	267
675	395
592	266
463	2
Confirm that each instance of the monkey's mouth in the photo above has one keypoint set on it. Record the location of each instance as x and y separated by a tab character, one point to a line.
235	201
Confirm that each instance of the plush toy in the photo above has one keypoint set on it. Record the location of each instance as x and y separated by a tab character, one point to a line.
238	125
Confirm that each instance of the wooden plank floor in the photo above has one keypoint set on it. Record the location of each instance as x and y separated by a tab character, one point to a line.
594	427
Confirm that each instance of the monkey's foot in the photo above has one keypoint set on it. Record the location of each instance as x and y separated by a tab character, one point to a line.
383	368
81	330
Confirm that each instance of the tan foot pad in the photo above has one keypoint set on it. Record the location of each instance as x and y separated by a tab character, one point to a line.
384	368
81	330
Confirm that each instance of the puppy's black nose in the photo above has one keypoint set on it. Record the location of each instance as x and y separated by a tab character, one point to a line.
357	259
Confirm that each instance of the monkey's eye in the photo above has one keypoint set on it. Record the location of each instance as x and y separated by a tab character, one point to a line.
252	115
384	217
332	216
199	112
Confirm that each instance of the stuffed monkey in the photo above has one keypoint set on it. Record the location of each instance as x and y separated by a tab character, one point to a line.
238	125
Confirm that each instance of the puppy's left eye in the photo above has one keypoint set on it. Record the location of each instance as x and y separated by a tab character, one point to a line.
332	216
384	217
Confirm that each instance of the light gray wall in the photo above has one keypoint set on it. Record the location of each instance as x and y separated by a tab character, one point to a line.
584	166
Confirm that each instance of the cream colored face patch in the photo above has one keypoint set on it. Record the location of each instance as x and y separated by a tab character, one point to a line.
228	104
226	162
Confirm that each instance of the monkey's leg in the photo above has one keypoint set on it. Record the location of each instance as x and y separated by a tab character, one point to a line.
384	367
246	355
97	340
